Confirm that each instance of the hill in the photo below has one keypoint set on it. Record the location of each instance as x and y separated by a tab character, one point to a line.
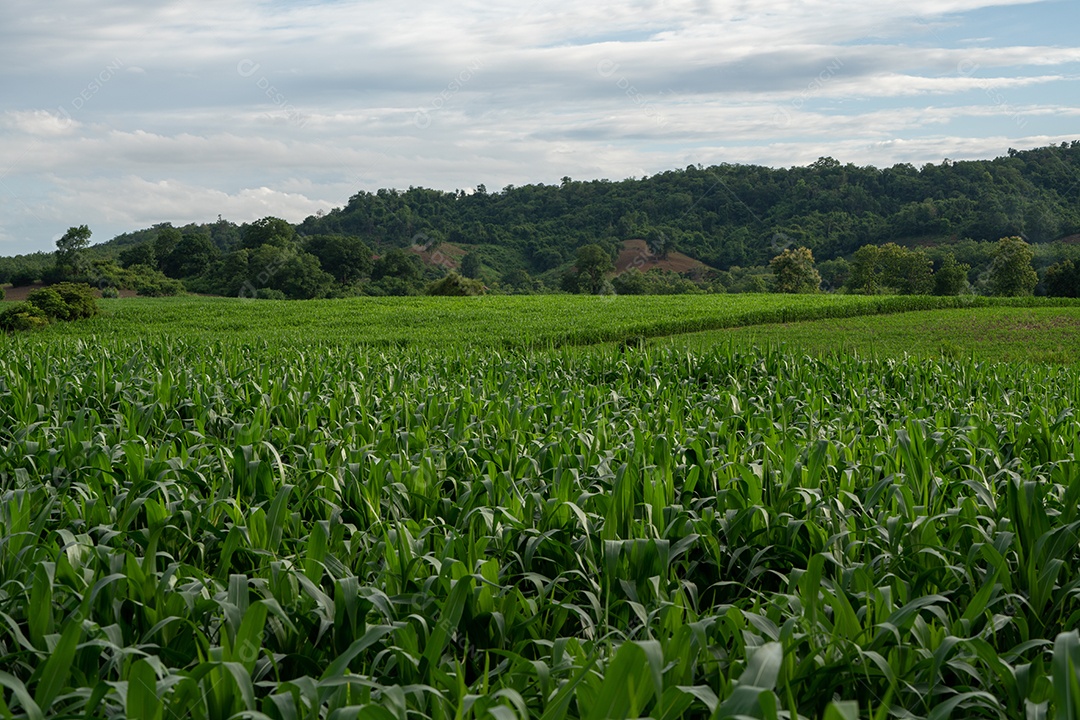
720	217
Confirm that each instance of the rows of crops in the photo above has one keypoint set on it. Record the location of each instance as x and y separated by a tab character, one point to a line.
491	321
212	530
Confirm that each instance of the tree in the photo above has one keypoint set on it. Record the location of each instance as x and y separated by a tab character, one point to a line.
865	275
166	241
192	256
660	243
795	272
347	258
834	273
631	282
908	272
593	262
518	279
69	250
1062	279
400	264
950	278
268	231
1011	273
141	254
470	265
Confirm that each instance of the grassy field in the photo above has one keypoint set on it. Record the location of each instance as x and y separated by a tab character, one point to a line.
516	321
208	515
1003	334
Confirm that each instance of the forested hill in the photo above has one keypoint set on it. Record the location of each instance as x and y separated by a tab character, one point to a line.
736	214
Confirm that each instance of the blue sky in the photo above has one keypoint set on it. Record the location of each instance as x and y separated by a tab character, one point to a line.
120	114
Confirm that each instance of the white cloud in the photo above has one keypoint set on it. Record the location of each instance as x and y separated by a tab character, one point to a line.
130	114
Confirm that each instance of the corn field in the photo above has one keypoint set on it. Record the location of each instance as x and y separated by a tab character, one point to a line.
205	529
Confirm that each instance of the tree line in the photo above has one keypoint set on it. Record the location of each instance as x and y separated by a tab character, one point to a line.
548	238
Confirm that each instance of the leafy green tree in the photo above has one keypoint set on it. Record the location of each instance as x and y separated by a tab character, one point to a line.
69	250
950	277
517	279
470	265
267	231
1011	273
593	262
192	256
400	264
300	277
865	275
795	272
834	273
141	254
346	258
631	282
660	242
908	272
1062	279
166	241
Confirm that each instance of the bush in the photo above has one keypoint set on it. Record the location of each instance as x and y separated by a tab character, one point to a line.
22	316
2	293
150	282
110	292
79	298
49	302
456	285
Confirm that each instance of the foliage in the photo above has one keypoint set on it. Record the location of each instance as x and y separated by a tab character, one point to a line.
1011	273
398	263
18	317
1063	279
347	259
592	264
654	282
150	282
470	265
890	268
950	277
455	285
79	299
141	254
268	231
69	250
794	272
729	215
49	302
206	529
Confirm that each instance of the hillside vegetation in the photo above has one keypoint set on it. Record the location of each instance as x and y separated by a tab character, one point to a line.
711	229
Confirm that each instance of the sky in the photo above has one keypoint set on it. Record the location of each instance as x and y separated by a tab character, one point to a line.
120	114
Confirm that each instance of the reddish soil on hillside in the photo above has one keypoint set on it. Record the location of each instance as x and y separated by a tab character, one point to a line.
636	254
444	254
1071	239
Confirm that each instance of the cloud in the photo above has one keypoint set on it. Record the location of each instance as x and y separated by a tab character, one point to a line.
121	113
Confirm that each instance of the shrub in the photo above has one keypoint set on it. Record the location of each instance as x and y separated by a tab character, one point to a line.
110	292
79	298
22	316
49	302
456	285
150	282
